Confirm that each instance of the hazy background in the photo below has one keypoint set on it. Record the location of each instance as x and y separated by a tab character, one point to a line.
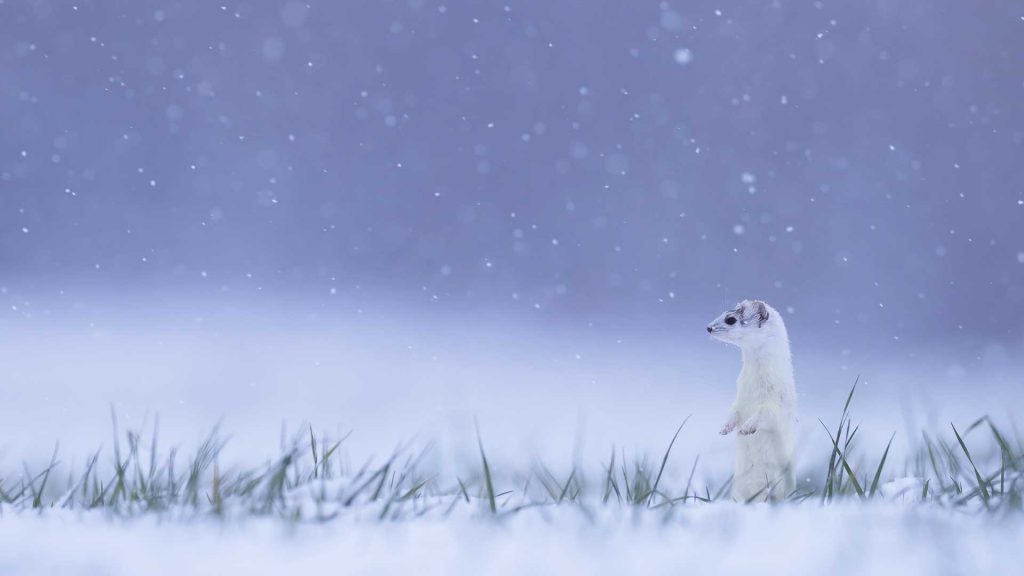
397	216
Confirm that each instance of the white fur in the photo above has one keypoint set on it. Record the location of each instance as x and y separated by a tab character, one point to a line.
765	406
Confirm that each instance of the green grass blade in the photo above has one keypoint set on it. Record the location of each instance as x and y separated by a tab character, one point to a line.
881	464
664	460
488	480
846	465
981	481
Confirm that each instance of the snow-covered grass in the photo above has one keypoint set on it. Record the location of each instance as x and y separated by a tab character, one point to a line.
954	505
311	481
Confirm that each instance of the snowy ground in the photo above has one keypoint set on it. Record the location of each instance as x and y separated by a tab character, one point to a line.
535	389
721	539
561	397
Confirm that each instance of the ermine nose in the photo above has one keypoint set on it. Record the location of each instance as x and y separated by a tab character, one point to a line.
709	329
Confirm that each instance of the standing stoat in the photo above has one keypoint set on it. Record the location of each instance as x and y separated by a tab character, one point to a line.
765	405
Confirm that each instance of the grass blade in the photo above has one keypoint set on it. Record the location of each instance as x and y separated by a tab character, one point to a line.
981	481
664	460
488	480
881	464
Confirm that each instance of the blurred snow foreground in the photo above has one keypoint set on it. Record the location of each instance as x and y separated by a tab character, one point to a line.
951	502
720	539
530	490
311	511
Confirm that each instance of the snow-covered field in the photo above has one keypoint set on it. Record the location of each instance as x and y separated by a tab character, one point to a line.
543	402
720	539
536	389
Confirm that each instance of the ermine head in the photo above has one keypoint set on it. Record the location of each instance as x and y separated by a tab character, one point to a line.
750	323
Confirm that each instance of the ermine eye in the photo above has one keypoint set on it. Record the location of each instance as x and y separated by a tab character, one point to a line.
730	320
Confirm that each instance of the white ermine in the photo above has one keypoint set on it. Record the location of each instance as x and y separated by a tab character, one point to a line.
765	406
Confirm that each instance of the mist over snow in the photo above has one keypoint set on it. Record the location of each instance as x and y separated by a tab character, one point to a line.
390	374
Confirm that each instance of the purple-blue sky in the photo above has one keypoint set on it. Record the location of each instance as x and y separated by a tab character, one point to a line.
857	164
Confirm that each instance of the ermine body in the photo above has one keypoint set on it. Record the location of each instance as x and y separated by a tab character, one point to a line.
765	408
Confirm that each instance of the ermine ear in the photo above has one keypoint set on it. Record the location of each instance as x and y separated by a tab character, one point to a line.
761	311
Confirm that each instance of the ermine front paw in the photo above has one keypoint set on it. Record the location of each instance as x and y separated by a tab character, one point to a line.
749	427
730	424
